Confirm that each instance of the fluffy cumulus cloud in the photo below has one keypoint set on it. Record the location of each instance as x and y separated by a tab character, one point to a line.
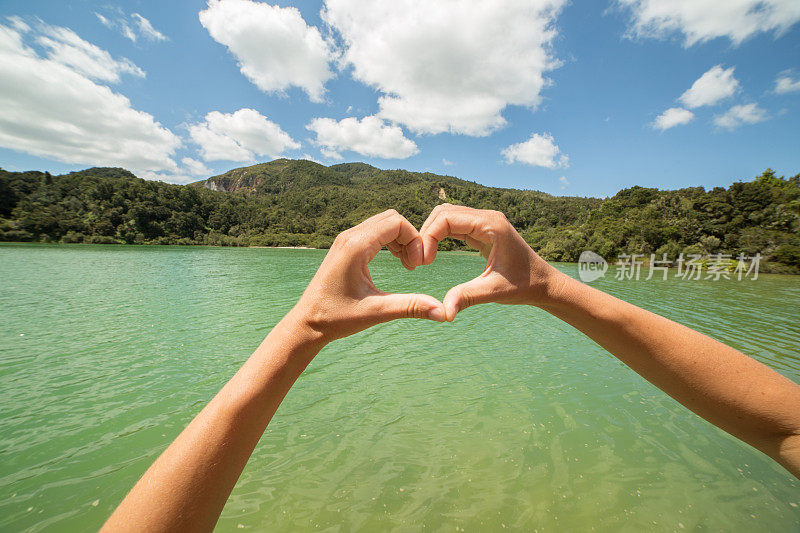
51	104
538	151
741	114
784	83
132	26
274	46
370	137
714	85
702	20
240	136
674	116
449	65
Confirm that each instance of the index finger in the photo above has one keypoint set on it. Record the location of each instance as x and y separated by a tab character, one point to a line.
454	221
387	228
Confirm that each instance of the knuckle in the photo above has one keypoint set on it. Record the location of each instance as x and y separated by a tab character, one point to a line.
413	309
342	238
465	300
499	216
354	238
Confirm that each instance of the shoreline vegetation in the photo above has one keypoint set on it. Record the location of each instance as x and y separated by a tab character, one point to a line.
304	205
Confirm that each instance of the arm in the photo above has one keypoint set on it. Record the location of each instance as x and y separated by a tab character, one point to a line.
740	395
188	485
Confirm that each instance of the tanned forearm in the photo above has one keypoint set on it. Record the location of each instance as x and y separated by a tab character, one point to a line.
740	395
186	488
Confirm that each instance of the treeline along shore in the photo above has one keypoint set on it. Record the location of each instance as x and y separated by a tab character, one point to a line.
302	203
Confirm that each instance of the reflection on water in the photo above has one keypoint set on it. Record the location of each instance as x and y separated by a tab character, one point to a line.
505	418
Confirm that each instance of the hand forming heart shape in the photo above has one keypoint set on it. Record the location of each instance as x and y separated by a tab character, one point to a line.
342	299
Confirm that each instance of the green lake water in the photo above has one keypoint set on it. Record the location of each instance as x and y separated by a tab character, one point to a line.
507	418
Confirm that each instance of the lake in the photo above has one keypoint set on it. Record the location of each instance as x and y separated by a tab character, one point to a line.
506	418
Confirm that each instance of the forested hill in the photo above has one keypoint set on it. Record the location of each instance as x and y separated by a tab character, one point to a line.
301	203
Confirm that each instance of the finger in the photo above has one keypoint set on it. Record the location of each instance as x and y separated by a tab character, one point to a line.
392	227
429	247
395	248
457	221
401	253
477	291
432	215
413	253
410	255
389	306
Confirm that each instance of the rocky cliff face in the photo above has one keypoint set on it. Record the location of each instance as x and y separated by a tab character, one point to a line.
238	180
214	186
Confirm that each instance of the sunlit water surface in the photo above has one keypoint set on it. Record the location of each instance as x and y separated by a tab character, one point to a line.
507	418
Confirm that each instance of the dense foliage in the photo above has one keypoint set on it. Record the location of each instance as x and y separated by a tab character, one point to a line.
301	203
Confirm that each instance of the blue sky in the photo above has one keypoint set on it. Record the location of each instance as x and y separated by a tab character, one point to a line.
564	97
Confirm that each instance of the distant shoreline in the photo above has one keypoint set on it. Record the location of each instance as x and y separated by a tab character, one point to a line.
644	266
278	247
157	244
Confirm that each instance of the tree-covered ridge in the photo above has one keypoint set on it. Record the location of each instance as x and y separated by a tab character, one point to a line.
301	203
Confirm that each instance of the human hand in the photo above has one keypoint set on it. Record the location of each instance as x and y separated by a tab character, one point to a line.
342	299
514	273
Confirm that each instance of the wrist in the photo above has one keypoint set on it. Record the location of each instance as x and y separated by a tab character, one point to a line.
303	333
549	285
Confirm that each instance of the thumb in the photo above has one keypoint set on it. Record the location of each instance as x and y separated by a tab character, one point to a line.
477	291
389	306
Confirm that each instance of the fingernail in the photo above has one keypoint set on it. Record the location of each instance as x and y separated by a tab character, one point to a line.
437	314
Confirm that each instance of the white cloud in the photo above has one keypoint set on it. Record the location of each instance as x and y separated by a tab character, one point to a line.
49	106
308	157
131	26
741	114
370	137
331	154
785	84
240	136
189	171
564	182
147	29
195	167
65	47
702	20
180	177
674	116
714	85
274	47
538	151
18	24
449	65
446	162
